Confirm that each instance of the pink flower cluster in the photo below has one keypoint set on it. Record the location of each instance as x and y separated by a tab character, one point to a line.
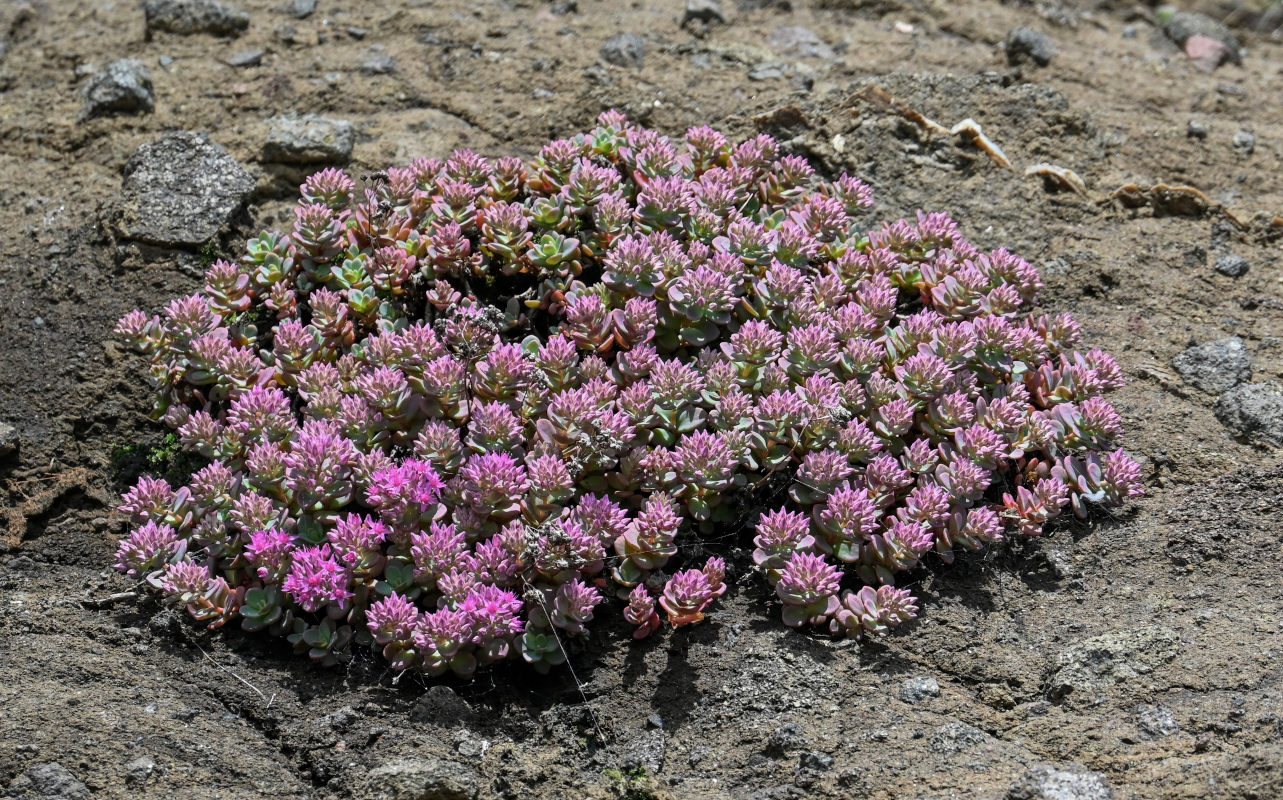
482	400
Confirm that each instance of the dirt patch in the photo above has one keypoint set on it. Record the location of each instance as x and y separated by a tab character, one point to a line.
1142	646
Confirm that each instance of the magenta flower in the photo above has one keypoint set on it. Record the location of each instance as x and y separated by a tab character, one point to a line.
496	562
405	494
330	187
808	587
703	461
873	611
316	580
392	619
440	637
493	428
492	614
493	483
150	499
254	512
550	479
823	470
600	517
357	541
780	533
145	549
318	466
640	611
186	579
269	552
685	597
572	608
436	553
843	522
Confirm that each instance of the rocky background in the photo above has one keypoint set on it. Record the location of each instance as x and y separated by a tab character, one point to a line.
1133	656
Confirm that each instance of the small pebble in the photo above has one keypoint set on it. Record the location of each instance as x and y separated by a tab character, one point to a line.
917	689
245	58
1196	130
1244	142
286	34
378	62
140	769
1232	266
301	9
705	11
1028	44
1156	721
766	71
124	87
624	50
816	761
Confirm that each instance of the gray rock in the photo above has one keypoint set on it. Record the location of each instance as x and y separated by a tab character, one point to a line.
1027	44
798	42
378	62
301	9
1196	130
1062	566
624	50
470	746
124	87
21	564
441	706
1232	266
788	736
1156	721
766	71
9	440
1245	143
186	17
1113	658
180	190
1185	24
420	778
955	737
286	34
53	781
245	58
705	12
646	750
1255	412
139	771
1048	783
917	689
309	139
1215	367
820	762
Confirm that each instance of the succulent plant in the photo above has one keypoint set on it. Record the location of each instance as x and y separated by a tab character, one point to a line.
462	412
